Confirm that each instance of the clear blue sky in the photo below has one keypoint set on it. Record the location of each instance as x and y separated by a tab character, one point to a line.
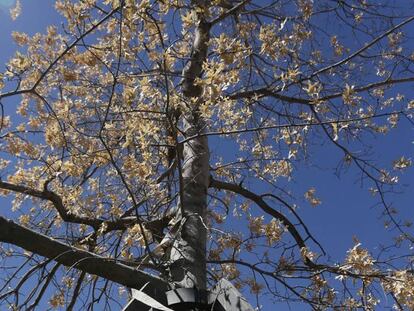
347	208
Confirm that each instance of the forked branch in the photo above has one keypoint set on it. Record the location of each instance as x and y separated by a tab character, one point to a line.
73	257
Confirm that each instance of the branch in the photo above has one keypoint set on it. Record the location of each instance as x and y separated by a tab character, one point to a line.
118	224
362	49
59	57
73	44
230	11
58	204
266	92
85	261
289	125
221	185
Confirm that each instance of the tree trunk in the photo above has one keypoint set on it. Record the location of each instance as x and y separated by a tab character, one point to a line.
188	254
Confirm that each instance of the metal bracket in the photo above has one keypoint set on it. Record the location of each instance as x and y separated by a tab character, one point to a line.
223	297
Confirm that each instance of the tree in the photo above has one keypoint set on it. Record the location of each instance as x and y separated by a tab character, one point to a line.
113	178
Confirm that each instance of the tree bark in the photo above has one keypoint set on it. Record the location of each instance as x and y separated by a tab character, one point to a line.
188	253
69	256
